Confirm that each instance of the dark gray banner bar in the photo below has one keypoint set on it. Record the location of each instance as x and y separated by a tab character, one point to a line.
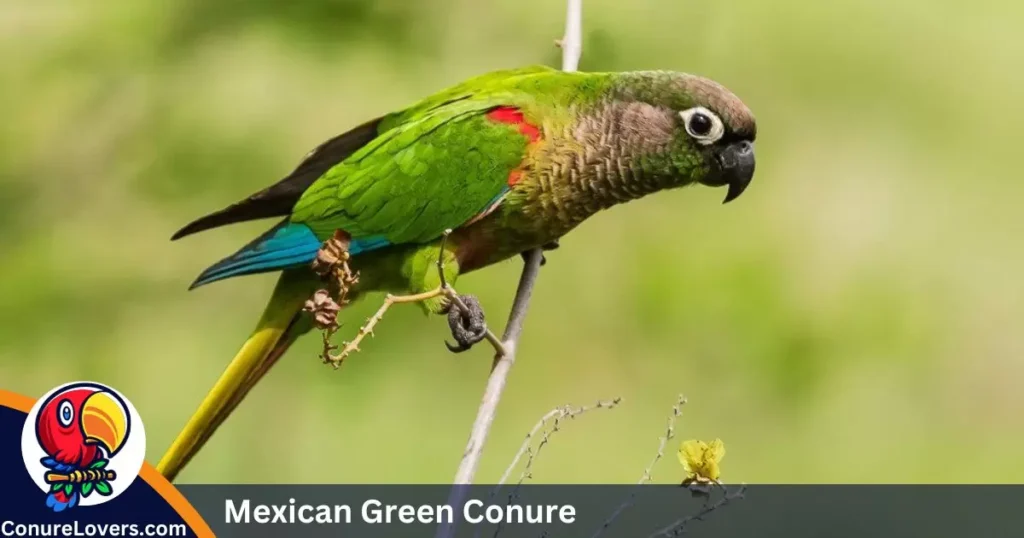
583	511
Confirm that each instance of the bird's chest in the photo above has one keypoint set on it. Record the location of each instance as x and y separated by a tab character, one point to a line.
539	209
503	234
564	180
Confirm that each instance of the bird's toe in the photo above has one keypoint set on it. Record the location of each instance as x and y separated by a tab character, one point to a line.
468	327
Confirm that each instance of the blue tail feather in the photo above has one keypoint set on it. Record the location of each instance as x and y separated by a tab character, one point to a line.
283	246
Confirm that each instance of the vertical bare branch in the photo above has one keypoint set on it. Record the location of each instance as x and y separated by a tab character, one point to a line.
492	394
499	372
572	41
572	46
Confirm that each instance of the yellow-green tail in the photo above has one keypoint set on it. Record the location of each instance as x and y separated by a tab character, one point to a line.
280	325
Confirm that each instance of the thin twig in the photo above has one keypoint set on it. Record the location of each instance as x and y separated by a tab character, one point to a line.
557	414
440	263
367	328
678	527
670	432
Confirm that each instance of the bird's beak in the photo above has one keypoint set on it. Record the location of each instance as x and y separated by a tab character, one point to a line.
737	168
105	421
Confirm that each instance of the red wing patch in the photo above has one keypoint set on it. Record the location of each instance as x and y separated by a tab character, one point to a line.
513	116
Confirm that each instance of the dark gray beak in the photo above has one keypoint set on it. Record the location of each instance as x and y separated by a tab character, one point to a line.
737	162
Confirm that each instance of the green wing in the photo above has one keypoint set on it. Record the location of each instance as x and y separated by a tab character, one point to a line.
402	178
439	165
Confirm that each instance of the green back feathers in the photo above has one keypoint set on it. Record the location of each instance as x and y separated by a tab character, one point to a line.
479	87
439	163
410	175
417	179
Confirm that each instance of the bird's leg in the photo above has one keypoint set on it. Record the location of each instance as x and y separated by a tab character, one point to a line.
465	315
545	247
433	268
468	326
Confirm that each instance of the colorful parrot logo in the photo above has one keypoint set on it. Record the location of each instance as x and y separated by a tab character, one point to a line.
73	442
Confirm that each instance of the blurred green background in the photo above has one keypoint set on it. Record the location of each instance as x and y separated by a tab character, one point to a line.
855	317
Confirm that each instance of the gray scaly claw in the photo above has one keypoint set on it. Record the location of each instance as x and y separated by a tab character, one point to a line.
467	328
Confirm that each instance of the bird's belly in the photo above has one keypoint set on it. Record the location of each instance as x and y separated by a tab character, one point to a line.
500	236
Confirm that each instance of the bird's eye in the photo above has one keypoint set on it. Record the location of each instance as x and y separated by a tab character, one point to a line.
65	413
702	124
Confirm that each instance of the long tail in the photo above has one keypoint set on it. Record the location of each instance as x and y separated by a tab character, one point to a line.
279	327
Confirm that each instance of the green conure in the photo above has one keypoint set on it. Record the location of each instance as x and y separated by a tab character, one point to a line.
509	161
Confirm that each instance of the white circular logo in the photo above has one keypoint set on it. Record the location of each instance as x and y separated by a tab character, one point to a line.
83	444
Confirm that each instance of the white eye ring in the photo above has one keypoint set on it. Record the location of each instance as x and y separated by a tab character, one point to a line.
696	120
65	413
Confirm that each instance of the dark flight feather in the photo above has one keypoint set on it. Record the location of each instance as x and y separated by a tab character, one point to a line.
278	199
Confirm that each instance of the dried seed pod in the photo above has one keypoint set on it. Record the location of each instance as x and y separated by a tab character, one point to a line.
332	254
324	309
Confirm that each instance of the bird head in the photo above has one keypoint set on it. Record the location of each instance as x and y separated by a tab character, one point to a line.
74	424
700	130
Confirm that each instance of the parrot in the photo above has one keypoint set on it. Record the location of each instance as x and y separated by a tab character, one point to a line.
483	171
80	428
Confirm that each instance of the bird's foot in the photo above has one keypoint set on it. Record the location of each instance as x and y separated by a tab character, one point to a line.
545	247
468	327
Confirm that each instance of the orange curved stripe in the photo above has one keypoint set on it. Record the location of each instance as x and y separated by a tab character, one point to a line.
177	501
148	473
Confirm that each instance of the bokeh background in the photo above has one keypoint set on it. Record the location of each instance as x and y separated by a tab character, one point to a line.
855	317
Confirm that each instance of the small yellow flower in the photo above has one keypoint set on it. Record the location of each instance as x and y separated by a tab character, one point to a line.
700	460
